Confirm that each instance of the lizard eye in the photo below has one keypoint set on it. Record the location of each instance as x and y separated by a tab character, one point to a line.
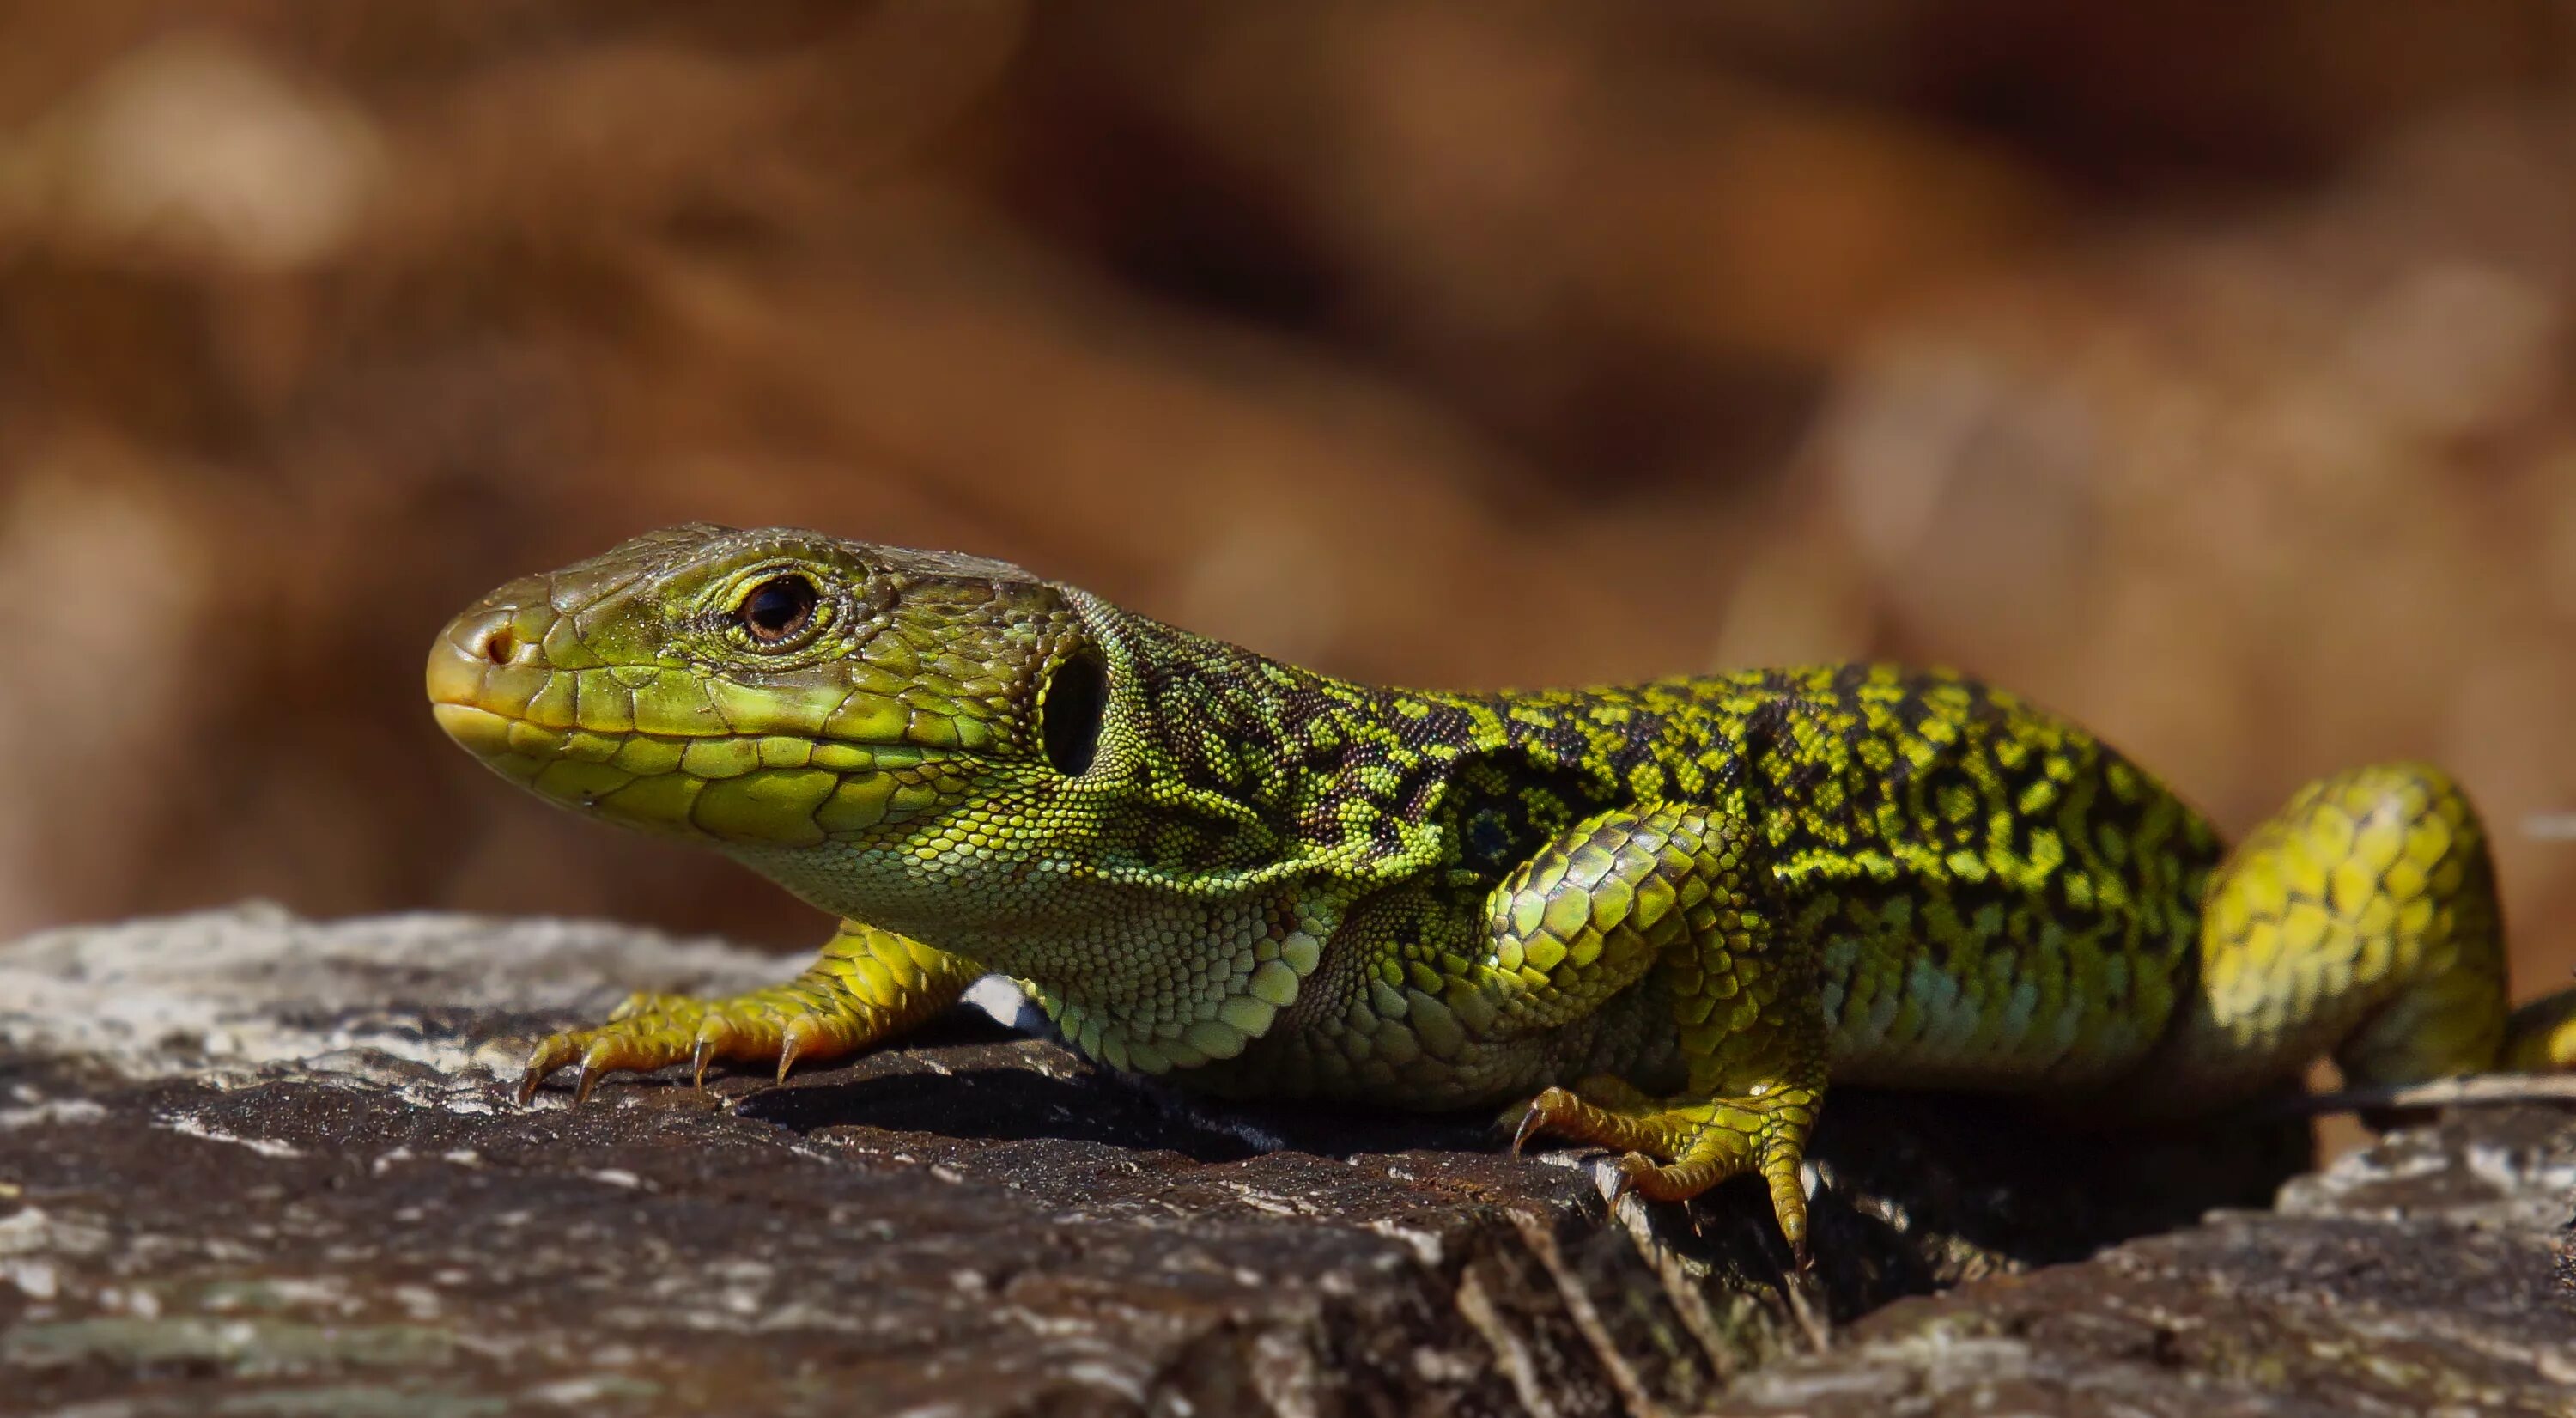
1069	713
778	608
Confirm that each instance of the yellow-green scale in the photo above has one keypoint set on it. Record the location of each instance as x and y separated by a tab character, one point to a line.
1993	897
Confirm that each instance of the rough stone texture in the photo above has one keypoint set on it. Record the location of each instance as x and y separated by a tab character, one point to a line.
2430	1274
254	1165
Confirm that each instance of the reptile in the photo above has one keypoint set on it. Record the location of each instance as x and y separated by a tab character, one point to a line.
1659	918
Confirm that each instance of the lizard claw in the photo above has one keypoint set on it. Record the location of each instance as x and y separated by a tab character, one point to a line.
1531	1122
701	1054
549	1055
1626	1180
1543	1109
582	1090
787	1052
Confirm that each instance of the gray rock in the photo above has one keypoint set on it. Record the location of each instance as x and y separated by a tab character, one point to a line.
250	1164
2429	1274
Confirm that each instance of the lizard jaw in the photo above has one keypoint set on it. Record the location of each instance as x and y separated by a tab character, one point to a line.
655	749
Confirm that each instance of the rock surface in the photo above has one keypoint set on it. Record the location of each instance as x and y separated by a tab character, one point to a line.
254	1165
2431	1274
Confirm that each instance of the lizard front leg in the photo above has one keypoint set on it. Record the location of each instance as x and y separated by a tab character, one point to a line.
1683	892
865	986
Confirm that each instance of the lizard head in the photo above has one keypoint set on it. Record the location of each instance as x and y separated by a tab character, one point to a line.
829	711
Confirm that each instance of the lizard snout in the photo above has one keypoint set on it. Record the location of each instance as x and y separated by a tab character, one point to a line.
502	632
489	637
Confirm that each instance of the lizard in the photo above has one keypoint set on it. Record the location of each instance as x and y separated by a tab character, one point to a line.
1659	918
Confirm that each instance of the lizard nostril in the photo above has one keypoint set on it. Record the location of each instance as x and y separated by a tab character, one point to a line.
500	645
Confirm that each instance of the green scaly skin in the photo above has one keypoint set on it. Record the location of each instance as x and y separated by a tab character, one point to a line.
1665	915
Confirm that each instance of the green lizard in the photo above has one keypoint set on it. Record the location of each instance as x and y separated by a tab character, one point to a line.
1665	915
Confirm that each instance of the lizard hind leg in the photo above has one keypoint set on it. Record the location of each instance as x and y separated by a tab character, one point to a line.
865	985
2360	921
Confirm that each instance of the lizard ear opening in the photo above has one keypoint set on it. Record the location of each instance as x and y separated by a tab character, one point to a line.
1069	712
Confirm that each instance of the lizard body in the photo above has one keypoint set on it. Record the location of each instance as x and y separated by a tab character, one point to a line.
1668	914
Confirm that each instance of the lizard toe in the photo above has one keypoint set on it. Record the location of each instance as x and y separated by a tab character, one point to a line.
642	1002
636	1043
550	1054
1541	1113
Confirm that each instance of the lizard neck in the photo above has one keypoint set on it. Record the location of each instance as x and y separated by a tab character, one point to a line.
1235	799
1308	767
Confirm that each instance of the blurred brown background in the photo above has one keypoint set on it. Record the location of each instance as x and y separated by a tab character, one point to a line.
2200	369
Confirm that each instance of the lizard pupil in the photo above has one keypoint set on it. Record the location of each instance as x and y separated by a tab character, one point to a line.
778	608
1069	714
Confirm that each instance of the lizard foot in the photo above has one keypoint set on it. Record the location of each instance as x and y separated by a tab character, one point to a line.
782	1024
864	985
1675	1149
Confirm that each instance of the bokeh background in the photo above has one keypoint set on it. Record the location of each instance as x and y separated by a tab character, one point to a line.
2200	369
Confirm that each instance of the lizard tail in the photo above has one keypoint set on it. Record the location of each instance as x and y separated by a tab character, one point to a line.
2541	1036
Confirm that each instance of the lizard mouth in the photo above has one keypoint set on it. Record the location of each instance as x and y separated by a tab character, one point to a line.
676	751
